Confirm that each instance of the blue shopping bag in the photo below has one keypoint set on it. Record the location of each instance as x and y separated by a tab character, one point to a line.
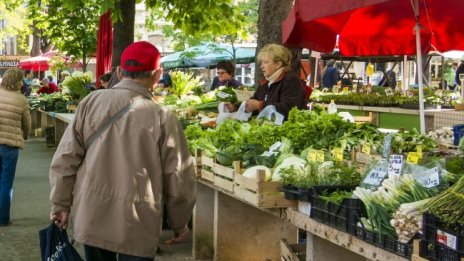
55	245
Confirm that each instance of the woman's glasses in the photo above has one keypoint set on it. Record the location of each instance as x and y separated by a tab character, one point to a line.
221	72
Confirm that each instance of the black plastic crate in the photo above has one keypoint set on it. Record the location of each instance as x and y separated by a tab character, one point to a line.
344	216
50	136
436	252
438	232
291	192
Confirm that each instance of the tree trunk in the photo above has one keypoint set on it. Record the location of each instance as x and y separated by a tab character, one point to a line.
271	14
123	31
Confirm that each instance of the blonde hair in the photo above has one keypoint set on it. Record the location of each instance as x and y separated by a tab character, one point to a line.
12	79
277	53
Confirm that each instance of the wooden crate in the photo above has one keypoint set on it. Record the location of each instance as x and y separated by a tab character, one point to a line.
261	193
204	167
290	252
224	176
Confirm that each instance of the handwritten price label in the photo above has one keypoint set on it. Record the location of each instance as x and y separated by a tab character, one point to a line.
366	148
315	155
312	155
376	175
413	158
337	154
430	178
396	165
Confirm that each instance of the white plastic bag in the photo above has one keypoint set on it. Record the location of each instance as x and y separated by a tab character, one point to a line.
224	113
269	112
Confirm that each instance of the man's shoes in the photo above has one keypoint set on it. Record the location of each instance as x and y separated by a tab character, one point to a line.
4	225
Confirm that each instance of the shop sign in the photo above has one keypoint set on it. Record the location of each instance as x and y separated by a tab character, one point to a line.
9	63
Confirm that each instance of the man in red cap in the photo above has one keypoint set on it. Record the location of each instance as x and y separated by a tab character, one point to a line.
121	158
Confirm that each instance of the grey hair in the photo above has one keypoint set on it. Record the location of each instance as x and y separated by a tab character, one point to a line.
137	75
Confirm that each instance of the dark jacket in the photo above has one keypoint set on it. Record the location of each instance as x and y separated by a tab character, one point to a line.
229	83
459	71
330	78
391	76
285	93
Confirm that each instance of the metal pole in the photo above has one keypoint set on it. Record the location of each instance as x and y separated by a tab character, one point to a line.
419	68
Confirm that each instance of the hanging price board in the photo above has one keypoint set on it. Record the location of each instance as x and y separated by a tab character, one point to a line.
366	148
376	175
396	165
337	154
413	158
430	178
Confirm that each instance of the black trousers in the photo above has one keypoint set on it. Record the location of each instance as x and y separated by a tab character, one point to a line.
98	254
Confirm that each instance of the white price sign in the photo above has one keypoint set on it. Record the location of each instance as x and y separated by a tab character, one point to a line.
223	95
396	165
430	178
376	175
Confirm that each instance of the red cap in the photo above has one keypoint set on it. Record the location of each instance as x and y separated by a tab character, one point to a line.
140	56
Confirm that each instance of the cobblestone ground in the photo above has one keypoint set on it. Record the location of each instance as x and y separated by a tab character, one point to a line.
30	210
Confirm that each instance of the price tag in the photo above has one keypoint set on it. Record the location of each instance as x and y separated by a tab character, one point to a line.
366	148
419	151
345	90
337	154
376	175
447	239
413	158
320	156
430	178
312	155
223	95
396	165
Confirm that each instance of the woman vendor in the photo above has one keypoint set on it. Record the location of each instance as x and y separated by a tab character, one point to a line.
282	87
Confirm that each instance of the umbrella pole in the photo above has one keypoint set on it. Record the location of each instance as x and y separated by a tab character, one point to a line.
419	68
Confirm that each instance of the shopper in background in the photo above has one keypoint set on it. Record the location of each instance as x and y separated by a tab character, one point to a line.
459	71
329	75
389	80
116	186
47	87
282	87
27	83
105	80
15	125
225	75
450	76
166	80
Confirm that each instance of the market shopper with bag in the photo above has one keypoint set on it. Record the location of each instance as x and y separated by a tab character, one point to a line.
116	178
15	125
282	87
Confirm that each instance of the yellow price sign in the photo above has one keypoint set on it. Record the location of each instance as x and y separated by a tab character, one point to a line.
413	157
366	148
312	155
320	156
337	154
419	151
345	90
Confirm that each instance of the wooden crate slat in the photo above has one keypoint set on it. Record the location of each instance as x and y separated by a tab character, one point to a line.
207	161
207	175
224	171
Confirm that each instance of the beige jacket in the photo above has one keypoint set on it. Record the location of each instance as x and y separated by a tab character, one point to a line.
15	118
117	188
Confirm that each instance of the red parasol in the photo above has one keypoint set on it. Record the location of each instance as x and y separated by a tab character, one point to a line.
104	45
375	27
37	63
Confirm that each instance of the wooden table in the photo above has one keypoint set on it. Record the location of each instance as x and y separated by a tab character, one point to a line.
58	121
228	228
